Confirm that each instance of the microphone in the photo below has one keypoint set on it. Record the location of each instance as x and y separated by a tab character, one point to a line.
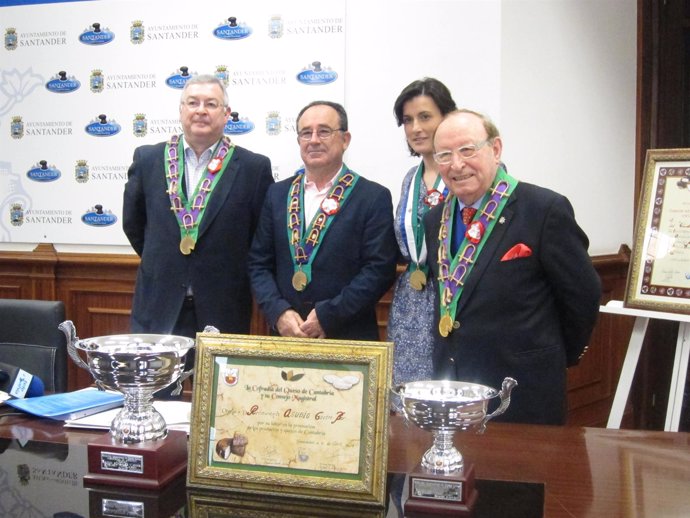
18	383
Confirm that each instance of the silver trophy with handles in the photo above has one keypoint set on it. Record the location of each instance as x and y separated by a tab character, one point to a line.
139	451
136	365
443	407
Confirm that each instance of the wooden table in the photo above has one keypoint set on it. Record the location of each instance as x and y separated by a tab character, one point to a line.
587	472
592	472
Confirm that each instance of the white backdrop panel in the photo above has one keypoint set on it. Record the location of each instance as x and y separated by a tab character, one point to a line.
146	44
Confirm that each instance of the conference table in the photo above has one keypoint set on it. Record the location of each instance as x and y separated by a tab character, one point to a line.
521	470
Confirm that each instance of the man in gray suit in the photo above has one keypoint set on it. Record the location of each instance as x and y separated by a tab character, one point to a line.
191	206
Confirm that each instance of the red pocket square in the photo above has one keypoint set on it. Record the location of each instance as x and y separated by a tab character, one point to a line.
519	250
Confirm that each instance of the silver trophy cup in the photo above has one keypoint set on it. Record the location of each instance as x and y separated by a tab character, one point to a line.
136	365
443	407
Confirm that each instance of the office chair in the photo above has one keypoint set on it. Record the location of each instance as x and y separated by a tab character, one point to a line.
30	339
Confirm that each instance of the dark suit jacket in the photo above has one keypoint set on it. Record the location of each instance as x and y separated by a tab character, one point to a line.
217	267
527	318
354	267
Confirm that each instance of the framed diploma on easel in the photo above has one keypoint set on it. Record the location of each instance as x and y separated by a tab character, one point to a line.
302	418
659	274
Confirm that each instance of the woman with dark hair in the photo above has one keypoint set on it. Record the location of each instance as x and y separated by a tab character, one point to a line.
419	108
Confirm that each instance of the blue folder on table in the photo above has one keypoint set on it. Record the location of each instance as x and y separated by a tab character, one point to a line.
69	405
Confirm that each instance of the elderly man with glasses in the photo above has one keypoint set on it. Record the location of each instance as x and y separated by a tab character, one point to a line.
517	293
324	252
191	206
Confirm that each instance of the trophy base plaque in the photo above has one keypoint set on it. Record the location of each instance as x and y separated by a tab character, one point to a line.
432	494
144	465
109	501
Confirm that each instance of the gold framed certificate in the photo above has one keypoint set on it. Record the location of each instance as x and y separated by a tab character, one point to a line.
303	418
204	504
659	273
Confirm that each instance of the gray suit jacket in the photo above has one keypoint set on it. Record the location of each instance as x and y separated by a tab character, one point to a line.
217	267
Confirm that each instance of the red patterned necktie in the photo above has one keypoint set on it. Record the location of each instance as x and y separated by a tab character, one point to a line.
467	215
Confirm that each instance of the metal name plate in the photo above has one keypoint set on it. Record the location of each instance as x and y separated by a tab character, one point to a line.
121	462
122	508
434	489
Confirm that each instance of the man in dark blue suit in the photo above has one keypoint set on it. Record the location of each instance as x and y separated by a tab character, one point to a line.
324	252
191	206
518	295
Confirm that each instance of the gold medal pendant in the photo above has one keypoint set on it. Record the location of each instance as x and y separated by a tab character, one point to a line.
417	280
299	280
187	244
445	325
